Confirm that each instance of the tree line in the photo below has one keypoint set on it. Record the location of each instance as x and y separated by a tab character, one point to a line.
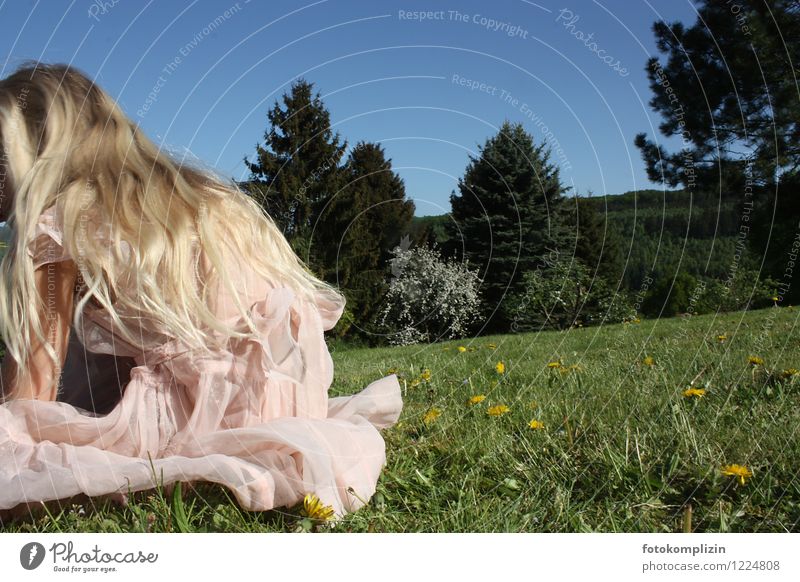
518	251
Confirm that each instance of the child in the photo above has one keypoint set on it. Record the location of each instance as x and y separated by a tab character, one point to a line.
195	333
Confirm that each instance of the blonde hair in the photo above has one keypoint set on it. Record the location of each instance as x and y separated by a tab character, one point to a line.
65	142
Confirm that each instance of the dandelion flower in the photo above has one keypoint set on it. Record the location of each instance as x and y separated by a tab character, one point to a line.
697	392
462	349
425	375
491	346
315	509
392	371
739	471
722	337
775	299
755	361
536	425
789	372
648	361
497	410
500	368
636	320
431	415
476	399
554	364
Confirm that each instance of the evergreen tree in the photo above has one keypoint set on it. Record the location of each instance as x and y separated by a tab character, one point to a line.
598	245
508	217
728	88
360	227
296	174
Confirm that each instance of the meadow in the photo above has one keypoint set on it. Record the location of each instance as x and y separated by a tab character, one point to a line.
670	425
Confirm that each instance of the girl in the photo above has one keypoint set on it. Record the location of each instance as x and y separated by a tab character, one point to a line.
211	328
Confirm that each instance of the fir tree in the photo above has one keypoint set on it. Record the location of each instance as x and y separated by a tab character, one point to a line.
296	174
508	216
361	226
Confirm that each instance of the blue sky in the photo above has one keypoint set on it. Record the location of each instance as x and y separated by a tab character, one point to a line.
199	76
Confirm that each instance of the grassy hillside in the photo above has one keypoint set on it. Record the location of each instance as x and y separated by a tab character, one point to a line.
620	448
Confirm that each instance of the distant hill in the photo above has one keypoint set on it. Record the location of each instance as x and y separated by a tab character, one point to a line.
660	232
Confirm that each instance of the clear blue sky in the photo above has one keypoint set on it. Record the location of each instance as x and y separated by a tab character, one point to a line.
384	75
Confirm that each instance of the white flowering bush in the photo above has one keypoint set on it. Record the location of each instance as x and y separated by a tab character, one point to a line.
428	298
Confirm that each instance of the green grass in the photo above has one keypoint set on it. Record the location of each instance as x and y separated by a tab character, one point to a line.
621	450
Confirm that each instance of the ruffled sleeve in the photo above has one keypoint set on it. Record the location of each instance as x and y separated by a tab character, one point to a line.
47	243
330	308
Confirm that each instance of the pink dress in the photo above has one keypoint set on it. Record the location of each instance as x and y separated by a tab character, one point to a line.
255	418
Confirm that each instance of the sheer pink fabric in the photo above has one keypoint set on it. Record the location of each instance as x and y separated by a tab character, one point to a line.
256	418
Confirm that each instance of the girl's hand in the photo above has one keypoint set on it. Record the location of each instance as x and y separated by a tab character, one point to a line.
55	283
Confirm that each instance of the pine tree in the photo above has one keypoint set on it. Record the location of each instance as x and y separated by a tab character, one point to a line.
509	215
598	245
361	226
296	174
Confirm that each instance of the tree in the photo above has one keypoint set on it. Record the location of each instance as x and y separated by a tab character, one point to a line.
429	297
508	215
361	224
597	243
295	175
729	90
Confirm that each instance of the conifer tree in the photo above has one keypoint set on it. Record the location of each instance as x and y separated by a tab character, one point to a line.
361	226
296	173
508	217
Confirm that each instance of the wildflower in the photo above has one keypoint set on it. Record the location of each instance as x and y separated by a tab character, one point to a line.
392	371
477	399
536	425
775	299
648	361
556	364
315	509
722	337
462	349
425	375
500	368
789	372
491	346
636	320
755	361
431	415
739	471
698	392
498	410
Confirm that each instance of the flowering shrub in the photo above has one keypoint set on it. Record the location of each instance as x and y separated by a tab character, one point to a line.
429	298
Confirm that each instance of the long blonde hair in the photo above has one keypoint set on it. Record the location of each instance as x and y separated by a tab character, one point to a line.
65	142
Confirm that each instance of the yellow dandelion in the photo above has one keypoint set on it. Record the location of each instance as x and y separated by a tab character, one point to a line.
498	410
649	361
722	337
414	382
462	349
636	320
775	299
425	375
392	371
789	372
315	509
755	361
500	368
431	415
739	471
476	399
696	392
556	364
536	425
491	346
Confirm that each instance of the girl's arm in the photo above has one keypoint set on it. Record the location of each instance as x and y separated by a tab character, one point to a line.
55	283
